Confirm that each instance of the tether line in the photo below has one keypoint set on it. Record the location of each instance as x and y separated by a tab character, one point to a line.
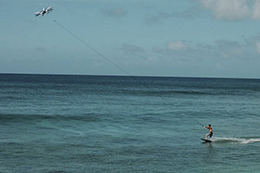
107	59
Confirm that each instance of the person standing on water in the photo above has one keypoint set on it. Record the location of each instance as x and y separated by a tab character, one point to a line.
210	131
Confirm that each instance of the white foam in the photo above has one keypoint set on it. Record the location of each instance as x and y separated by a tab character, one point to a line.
72	131
236	140
247	141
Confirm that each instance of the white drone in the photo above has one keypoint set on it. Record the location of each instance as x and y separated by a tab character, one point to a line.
47	11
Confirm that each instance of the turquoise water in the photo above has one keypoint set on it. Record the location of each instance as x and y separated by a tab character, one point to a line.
59	123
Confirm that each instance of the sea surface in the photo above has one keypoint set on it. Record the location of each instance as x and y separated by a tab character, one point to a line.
78	124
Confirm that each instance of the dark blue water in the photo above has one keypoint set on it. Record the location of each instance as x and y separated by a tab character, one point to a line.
66	123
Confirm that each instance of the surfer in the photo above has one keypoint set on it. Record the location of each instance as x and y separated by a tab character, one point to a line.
210	131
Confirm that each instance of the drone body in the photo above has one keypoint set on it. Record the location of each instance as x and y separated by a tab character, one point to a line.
44	11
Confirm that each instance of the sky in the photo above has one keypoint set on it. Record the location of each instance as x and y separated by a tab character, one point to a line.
177	38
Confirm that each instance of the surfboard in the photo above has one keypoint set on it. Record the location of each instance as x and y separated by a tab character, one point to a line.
205	140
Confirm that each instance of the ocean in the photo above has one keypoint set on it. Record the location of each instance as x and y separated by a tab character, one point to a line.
80	123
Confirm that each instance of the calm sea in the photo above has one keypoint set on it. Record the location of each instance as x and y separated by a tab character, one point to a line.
78	124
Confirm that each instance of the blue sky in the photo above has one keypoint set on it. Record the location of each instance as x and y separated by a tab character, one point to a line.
187	38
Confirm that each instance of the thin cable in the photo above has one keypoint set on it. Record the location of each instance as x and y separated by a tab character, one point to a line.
128	74
199	123
92	48
103	56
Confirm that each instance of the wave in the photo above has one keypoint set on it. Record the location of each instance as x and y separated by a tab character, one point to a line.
236	140
31	117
